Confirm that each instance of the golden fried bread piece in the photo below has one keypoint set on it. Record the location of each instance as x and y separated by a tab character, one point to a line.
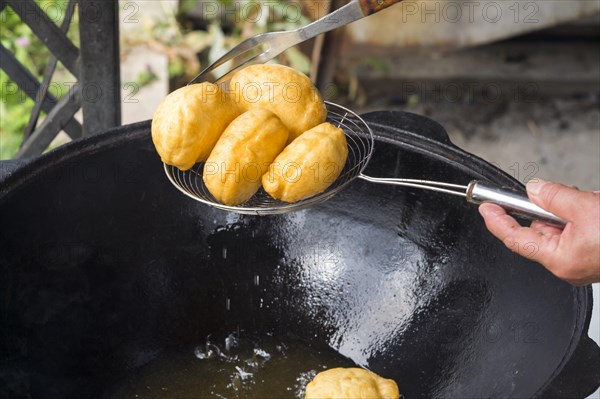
189	121
308	165
243	154
288	93
351	383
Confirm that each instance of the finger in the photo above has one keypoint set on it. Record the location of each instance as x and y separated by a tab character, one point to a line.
559	199
545	229
525	241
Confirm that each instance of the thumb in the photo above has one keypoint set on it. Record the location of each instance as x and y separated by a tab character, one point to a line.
559	199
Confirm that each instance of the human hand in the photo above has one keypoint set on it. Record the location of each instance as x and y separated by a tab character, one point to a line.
573	253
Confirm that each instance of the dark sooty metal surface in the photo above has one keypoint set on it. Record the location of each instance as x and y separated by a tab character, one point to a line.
105	265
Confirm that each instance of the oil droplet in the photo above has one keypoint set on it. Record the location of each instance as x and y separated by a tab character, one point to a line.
262	353
244	375
231	342
301	382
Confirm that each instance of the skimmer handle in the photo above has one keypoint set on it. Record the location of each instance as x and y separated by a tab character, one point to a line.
372	6
514	202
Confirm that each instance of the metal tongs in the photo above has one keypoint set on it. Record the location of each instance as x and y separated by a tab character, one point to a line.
266	46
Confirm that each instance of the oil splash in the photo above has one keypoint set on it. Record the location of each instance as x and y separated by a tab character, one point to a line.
235	366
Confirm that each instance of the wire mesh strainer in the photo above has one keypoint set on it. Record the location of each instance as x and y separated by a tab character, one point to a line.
360	139
360	147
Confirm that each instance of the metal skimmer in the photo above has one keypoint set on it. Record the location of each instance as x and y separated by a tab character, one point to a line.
359	137
360	147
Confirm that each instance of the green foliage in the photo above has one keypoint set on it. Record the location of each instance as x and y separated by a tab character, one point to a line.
377	64
15	105
176	67
242	20
146	77
187	5
14	114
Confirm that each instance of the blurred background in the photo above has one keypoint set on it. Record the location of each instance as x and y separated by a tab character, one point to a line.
515	82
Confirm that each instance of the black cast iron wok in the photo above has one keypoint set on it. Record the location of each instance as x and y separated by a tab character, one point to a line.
104	266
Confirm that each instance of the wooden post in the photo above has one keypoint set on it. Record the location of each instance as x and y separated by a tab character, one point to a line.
99	70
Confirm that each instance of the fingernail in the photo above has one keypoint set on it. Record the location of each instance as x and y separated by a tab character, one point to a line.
534	186
489	210
483	211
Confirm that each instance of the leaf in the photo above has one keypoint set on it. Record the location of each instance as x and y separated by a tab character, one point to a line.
298	60
146	77
197	40
176	67
187	5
